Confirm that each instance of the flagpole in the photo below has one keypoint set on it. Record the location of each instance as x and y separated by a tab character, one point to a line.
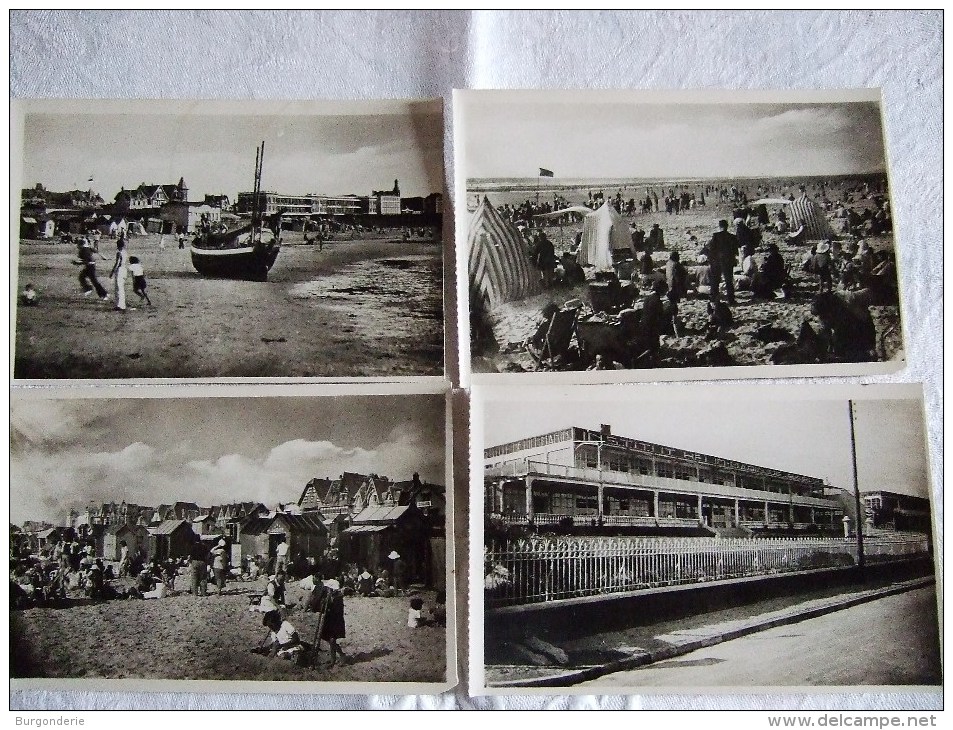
859	508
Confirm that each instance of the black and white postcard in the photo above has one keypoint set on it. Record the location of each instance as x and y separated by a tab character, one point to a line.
211	240
279	541
632	538
613	236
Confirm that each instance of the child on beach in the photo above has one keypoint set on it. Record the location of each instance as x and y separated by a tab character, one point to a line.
138	279
29	297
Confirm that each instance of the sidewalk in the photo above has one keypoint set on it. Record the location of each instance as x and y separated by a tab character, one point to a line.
604	653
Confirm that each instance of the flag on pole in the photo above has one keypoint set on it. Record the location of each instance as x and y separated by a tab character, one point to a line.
543	172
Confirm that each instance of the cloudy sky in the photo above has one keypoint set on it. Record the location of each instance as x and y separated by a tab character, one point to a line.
586	137
810	437
149	451
304	153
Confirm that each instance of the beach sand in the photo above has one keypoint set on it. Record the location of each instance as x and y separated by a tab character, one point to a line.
371	307
182	637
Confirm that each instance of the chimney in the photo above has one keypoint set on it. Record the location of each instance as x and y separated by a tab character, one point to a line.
605	430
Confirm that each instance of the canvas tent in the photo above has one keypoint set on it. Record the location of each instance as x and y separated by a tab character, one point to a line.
500	266
603	231
804	212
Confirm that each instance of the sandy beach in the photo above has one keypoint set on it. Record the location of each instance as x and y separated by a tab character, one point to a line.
182	637
749	341
356	308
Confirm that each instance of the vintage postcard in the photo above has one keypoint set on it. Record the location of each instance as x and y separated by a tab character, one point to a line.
687	538
611	236
212	240
267	541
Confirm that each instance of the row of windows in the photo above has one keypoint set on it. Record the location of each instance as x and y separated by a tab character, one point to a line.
590	457
529	443
582	434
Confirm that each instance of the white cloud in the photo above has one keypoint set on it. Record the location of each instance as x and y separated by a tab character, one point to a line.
46	485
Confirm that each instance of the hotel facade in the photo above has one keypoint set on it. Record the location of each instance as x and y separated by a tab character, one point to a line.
602	480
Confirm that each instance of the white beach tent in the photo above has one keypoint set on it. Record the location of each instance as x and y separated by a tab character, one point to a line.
603	231
500	266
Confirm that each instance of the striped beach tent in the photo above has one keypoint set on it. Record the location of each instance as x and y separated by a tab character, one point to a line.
805	212
500	266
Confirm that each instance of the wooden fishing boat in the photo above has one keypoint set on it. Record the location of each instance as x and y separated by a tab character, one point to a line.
247	252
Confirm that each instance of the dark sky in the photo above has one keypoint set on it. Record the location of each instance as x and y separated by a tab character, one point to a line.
212	450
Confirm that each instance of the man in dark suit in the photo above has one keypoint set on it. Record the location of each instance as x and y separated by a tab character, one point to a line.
722	252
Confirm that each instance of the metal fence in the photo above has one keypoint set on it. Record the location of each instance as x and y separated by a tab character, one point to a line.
541	569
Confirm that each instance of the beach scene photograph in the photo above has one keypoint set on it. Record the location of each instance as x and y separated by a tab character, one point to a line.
607	231
197	240
282	538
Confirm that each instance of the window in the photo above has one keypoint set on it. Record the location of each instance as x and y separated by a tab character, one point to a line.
665	470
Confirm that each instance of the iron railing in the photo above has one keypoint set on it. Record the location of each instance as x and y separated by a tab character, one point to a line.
542	569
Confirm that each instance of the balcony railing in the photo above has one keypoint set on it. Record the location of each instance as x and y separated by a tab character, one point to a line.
608	477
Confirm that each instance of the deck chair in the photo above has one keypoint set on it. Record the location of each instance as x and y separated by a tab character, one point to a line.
553	337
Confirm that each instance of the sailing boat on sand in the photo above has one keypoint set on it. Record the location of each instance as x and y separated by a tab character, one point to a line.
247	252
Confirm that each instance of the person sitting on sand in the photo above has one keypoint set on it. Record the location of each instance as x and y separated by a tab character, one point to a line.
414	612
275	590
573	273
282	641
770	275
819	264
29	296
365	583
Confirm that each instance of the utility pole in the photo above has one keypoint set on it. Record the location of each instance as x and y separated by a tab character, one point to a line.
860	523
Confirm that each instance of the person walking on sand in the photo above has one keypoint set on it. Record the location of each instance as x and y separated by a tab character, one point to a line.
138	280
118	274
87	275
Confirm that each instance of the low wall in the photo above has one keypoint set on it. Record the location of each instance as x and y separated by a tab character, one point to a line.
579	617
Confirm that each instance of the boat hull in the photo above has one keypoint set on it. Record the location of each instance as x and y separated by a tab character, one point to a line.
249	262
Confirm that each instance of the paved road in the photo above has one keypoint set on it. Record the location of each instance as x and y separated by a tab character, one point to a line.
890	641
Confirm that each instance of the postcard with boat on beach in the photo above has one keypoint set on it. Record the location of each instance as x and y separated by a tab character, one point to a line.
291	538
620	235
197	240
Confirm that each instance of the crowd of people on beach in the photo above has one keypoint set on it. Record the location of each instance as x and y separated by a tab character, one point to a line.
842	275
68	571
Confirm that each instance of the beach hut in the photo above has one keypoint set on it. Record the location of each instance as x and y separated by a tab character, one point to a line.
253	536
376	531
48	538
37	227
136	538
603	231
500	266
170	539
306	534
